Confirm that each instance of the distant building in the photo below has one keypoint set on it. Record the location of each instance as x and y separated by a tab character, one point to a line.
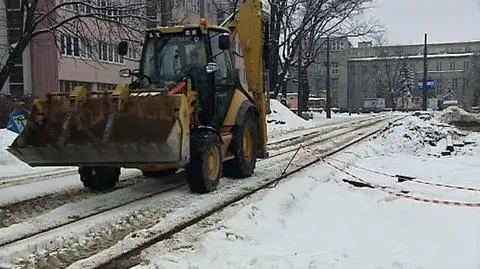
368	71
339	55
373	71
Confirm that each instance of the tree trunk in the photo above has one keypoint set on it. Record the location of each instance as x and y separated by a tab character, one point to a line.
15	53
306	89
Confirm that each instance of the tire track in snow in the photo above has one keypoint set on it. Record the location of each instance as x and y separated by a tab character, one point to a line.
122	252
29	208
103	237
9	181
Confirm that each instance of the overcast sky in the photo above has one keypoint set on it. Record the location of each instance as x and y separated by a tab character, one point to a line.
445	20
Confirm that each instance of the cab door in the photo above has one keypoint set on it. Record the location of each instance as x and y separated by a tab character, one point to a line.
224	82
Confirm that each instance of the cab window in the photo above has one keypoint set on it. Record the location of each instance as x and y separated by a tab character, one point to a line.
225	73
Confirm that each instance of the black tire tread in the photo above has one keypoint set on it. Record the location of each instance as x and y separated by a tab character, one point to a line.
103	179
200	142
238	167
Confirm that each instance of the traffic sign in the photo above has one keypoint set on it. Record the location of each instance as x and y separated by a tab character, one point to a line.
430	84
17	121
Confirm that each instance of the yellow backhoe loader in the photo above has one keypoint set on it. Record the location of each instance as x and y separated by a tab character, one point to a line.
185	109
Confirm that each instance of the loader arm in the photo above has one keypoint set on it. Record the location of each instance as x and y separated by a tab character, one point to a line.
248	24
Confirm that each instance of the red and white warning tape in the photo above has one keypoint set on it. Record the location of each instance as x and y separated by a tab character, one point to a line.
432	201
401	194
424	182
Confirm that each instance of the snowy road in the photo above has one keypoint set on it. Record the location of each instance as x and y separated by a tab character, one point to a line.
102	230
316	220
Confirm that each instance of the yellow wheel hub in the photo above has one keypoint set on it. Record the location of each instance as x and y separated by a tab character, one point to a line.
213	162
248	146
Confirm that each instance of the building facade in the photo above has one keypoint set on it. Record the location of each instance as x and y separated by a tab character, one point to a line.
60	62
374	72
368	71
339	56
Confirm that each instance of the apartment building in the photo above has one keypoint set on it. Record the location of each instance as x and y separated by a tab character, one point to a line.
339	56
62	61
451	66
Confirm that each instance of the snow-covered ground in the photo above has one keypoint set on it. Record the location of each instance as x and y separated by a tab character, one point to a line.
316	220
10	165
282	120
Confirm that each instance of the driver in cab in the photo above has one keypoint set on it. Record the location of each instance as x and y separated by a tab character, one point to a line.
196	70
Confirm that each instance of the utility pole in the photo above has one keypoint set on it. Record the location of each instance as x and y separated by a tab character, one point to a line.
299	76
328	103
202	8
425	70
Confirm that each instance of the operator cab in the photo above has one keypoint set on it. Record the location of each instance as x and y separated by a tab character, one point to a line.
170	54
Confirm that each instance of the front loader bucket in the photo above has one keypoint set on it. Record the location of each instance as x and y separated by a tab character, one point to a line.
105	128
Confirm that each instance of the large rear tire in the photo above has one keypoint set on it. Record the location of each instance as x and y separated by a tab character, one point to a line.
244	147
99	178
205	167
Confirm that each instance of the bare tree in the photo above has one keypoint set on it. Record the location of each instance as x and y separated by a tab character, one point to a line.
224	8
313	20
388	72
85	23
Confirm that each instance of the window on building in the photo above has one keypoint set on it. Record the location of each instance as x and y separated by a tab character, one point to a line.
335	84
334	67
452	65
132	51
104	86
465	66
86	48
68	85
439	66
465	83
72	7
107	52
439	86
86	9
455	83
74	46
68	46
195	5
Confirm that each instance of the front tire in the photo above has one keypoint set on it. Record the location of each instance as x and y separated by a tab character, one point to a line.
205	167
244	147
99	178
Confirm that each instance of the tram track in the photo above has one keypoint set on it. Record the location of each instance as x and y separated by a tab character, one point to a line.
173	192
17	211
131	246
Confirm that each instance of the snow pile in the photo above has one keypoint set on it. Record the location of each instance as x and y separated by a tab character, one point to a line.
454	114
6	139
282	118
9	164
415	136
